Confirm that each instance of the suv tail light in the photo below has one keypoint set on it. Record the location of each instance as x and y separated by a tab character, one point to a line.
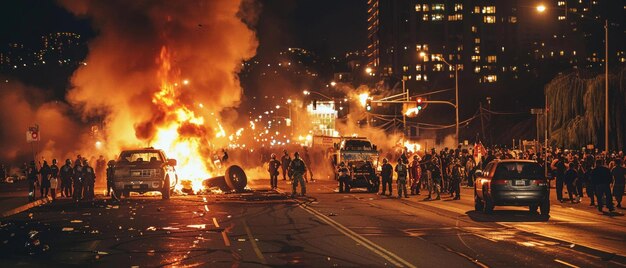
498	182
539	182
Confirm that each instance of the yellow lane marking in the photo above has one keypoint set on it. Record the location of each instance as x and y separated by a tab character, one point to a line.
255	247
389	256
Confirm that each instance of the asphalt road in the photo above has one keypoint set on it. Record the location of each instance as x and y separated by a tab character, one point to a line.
326	229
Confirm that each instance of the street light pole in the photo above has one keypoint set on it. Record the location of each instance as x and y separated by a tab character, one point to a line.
606	85
456	103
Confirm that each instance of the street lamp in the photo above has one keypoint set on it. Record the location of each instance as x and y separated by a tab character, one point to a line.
541	8
309	92
456	91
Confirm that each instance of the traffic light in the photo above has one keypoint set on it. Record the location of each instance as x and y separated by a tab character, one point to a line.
420	102
368	105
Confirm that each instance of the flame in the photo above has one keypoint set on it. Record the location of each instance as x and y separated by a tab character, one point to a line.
411	112
363	98
185	149
412	147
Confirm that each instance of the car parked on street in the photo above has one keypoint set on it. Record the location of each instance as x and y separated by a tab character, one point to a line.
512	182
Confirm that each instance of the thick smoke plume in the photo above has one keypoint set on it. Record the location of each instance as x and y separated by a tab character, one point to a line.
196	47
22	107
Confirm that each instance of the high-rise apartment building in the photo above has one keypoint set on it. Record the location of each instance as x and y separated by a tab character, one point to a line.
493	43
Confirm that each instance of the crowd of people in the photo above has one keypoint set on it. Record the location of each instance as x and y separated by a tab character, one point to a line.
597	176
75	180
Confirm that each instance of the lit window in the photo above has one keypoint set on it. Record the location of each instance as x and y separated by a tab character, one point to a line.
455	17
439	7
561	17
474	29
491	78
491	58
574	52
418	77
513	19
437	17
418	67
418	7
438	67
458	7
425	7
425	77
489	10
475	58
477	49
405	68
489	19
477	40
418	47
477	69
426	47
425	17
561	3
561	52
436	57
476	9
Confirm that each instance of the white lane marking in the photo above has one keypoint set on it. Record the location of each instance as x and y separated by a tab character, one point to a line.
217	225
566	263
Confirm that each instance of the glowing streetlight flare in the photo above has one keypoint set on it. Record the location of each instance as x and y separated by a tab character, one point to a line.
306	92
368	70
541	8
333	83
363	98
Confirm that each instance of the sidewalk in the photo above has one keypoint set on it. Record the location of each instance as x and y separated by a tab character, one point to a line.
14	198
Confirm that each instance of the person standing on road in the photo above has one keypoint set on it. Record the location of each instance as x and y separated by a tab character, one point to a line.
307	161
414	174
297	168
285	161
601	178
31	177
89	178
66	175
343	174
570	178
274	165
457	176
387	176
401	171
110	175
559	165
618	174
45	179
101	165
77	177
54	179
435	171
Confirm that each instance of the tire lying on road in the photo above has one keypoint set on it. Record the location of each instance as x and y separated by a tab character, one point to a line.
234	179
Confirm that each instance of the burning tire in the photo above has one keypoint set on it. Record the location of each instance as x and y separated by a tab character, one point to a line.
236	178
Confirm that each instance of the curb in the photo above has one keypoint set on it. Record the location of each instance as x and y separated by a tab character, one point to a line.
25	207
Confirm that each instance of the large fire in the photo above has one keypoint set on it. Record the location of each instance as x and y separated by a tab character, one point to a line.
186	149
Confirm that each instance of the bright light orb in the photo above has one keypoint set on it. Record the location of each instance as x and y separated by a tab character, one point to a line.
541	8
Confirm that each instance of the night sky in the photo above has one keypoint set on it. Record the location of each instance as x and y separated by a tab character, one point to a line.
327	27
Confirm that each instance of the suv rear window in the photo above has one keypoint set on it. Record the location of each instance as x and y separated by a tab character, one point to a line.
357	145
140	156
518	170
